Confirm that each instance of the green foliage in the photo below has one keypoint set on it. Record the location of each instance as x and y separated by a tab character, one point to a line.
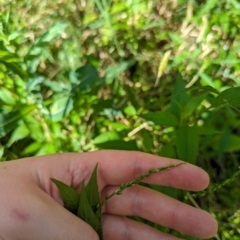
87	205
69	196
160	77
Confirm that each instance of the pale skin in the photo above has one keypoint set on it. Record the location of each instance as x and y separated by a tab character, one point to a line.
31	207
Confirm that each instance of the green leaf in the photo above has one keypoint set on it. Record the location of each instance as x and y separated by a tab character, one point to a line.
32	148
147	140
224	143
192	105
205	130
9	120
92	189
230	96
169	191
131	94
161	118
112	72
19	133
168	151
85	212
69	195
48	36
53	32
47	148
179	97
187	143
130	110
105	137
1	153
60	108
118	126
88	76
228	143
234	144
8	57
118	145
15	68
6	96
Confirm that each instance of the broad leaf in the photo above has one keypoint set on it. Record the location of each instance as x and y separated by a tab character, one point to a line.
88	76
69	195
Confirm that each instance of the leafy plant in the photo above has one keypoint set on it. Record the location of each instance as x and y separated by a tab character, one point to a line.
159	77
87	205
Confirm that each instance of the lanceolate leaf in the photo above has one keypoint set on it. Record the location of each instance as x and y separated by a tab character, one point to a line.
187	143
179	97
92	189
106	137
230	96
69	196
9	120
85	212
192	105
161	118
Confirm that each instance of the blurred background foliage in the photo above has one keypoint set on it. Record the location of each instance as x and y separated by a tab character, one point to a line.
156	76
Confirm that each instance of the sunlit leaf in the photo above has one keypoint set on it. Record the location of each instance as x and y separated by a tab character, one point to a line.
130	110
60	108
105	137
8	120
19	133
47	148
32	148
6	96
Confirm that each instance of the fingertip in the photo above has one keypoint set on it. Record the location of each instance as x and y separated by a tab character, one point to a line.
205	180
210	228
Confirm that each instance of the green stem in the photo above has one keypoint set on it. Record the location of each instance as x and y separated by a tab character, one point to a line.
139	179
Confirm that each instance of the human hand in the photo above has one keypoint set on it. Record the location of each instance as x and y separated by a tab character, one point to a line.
31	207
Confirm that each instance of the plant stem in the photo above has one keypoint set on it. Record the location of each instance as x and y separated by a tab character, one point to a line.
139	179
